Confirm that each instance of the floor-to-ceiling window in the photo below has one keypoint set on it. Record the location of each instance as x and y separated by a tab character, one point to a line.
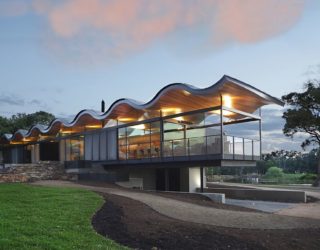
187	135
139	141
74	148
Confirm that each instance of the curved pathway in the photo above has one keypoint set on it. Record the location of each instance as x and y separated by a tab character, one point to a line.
200	214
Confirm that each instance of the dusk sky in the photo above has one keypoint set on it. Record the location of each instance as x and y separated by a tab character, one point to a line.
63	56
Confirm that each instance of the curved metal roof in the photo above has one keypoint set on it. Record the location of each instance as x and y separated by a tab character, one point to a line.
185	97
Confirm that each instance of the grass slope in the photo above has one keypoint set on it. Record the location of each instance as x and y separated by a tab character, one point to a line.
34	217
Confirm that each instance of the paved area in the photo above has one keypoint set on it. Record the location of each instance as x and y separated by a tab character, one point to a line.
199	214
305	210
265	206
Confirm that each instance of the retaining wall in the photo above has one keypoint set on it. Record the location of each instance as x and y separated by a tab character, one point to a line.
34	171
258	194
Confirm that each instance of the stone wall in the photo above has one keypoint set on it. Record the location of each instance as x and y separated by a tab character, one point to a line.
34	171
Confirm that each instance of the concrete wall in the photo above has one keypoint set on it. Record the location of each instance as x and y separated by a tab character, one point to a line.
148	176
263	195
35	153
194	179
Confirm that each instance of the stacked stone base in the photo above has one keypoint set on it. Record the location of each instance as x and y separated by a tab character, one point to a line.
35	172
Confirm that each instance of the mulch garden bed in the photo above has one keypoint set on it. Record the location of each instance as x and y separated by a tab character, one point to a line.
134	224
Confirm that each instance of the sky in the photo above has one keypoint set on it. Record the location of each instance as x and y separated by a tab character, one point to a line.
63	56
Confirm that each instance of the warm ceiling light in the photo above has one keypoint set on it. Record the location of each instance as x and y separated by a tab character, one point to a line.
125	119
170	111
185	92
93	126
227	101
65	131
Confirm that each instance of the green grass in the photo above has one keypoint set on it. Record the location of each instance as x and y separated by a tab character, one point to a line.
34	217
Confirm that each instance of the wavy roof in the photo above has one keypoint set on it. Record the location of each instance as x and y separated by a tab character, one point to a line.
177	96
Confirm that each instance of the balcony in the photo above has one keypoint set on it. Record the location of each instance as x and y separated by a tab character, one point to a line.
205	148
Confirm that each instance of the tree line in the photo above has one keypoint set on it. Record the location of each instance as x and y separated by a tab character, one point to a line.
9	125
289	161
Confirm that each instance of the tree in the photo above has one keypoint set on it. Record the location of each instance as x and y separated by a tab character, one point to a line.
4	125
24	121
303	116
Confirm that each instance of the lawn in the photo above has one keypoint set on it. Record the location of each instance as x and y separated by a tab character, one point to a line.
33	217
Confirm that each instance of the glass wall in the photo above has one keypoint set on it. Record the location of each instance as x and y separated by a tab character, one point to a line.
74	148
139	141
189	135
195	134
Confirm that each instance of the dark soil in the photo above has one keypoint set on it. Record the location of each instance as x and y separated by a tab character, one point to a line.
133	224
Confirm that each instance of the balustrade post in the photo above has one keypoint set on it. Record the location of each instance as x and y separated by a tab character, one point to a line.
233	145
243	148
252	144
172	149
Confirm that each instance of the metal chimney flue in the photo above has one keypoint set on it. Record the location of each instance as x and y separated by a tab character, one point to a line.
103	106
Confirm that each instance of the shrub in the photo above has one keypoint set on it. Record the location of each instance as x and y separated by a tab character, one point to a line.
308	177
274	172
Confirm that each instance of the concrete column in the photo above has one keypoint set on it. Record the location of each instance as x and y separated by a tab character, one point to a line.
201	179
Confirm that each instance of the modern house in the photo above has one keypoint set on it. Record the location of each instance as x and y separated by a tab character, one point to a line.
165	142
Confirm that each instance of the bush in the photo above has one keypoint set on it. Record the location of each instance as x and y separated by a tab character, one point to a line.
308	177
274	172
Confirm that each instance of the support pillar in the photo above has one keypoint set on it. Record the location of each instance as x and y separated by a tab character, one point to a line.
201	179
161	135
221	127
260	136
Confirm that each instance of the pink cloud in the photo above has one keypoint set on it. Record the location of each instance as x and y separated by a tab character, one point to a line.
127	26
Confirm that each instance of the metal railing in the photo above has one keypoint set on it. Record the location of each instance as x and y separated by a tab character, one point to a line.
236	148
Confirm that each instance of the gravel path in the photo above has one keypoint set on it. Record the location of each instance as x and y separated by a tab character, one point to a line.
199	214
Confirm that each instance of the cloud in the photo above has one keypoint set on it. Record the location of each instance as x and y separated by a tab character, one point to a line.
90	29
312	71
9	99
16	103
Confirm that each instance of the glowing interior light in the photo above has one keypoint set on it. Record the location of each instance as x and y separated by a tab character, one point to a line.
187	93
93	126
180	118
227	101
65	131
170	111
125	119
